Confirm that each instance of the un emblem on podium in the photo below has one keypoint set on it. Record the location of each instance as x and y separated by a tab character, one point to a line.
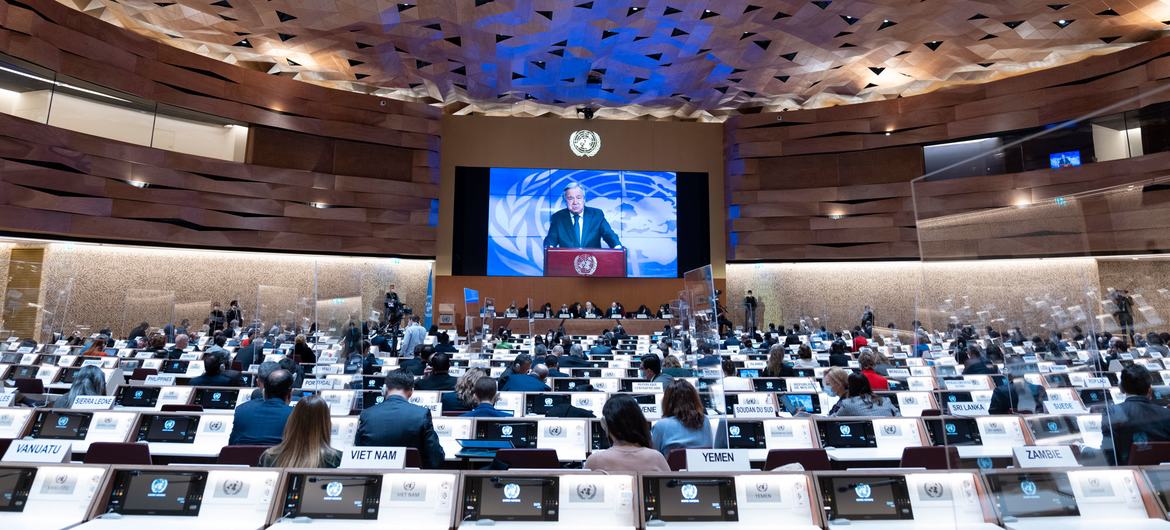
585	264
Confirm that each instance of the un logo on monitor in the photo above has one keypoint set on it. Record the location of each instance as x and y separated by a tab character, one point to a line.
62	421
846	430
863	491
333	489
1028	487
506	430
689	492
511	491
169	425
734	430
952	429
548	401
159	486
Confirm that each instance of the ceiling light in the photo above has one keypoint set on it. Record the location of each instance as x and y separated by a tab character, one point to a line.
888	133
137	183
318	205
836	216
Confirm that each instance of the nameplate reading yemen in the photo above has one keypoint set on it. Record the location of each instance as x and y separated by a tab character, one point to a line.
705	460
373	458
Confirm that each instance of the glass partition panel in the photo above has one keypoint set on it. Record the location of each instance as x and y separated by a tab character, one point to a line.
286	310
147	310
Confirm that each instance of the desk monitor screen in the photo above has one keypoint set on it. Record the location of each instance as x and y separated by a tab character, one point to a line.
847	434
14	487
1033	494
1046	427
334	496
690	499
1095	396
10	358
586	372
66	376
217	398
570	384
511	498
522	434
1160	481
750	373
598	439
373	382
540	403
797	403
953	431
169	493
168	429
954	397
1057	380
369	399
866	497
25	372
745	435
769	384
138	396
175	367
61	425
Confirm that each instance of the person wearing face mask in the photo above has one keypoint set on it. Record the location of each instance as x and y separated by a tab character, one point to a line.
835	384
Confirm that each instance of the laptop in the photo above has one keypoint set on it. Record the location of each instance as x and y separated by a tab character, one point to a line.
470	448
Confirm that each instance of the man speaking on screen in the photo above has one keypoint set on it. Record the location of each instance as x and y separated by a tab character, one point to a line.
579	226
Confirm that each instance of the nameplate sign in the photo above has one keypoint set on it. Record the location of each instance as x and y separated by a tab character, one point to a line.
969	408
24	349
1058	369
1062	407
435	408
317	384
28	358
644	387
651	411
93	403
61	350
159	380
964	384
144	355
6	399
920	384
1097	382
755	411
1030	456
373	458
41	451
706	460
326	369
190	357
898	373
800	384
1126	356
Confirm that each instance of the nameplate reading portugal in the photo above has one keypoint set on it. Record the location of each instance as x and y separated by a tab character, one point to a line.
969	408
1031	456
42	451
755	411
159	380
317	384
706	460
373	458
93	403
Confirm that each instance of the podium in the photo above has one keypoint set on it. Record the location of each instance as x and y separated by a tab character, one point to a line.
587	262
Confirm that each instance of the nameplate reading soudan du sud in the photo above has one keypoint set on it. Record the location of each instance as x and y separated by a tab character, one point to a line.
373	458
705	460
40	451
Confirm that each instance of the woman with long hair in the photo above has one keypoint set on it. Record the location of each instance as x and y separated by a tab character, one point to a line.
96	348
629	434
683	423
89	381
862	401
776	366
302	352
463	397
306	438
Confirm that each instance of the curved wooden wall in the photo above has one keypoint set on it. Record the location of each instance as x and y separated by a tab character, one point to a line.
788	173
381	178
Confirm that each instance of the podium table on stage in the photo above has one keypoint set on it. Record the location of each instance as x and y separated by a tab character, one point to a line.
589	262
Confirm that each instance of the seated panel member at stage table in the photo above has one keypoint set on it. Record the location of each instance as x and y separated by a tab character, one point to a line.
579	226
615	310
590	311
565	312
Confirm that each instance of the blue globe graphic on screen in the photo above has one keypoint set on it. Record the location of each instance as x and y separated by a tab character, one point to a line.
863	491
159	486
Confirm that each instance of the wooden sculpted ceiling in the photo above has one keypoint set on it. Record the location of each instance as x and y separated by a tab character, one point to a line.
701	59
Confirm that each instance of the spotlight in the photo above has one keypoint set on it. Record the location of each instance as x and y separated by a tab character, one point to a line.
137	183
587	112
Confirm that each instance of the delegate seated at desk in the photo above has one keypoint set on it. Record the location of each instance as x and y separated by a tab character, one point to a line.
579	226
398	423
262	421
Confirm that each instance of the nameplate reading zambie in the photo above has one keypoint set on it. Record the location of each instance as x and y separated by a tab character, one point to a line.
159	380
755	411
1031	456
42	451
373	458
93	403
705	460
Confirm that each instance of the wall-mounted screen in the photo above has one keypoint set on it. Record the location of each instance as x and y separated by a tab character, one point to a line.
1064	159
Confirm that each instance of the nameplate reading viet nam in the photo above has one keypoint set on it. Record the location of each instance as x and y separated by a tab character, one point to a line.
755	411
42	451
1031	456
704	460
373	458
969	408
93	403
159	380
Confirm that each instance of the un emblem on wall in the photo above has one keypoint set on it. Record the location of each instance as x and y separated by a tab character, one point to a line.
584	143
585	264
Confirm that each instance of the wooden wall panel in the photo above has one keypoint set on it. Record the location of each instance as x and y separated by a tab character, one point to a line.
373	161
834	183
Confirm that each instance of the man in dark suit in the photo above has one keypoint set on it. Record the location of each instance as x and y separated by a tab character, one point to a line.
216	373
1136	419
520	380
253	352
578	226
439	378
575	359
261	421
398	423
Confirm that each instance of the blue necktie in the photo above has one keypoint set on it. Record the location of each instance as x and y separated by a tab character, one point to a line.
577	228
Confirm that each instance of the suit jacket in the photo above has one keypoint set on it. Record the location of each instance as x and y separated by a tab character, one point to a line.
436	382
568	361
1134	420
250	354
413	365
523	383
452	402
259	422
595	228
398	423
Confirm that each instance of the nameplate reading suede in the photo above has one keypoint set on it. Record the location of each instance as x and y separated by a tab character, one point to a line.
1054	407
755	411
373	458
42	451
159	380
1031	456
93	403
969	408
705	460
